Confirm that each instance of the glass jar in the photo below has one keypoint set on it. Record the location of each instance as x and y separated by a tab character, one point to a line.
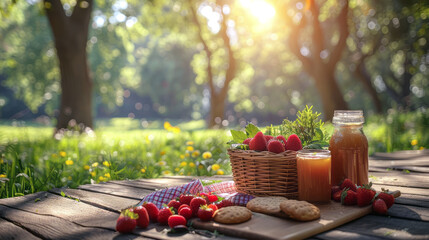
314	175
349	148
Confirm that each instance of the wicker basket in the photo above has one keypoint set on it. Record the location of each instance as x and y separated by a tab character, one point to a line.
265	173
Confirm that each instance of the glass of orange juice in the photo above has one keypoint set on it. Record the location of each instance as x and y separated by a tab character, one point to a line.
314	175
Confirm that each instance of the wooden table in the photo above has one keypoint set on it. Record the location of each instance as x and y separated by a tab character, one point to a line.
48	215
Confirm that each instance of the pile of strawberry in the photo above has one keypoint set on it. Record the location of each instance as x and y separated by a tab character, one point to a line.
187	206
279	144
349	194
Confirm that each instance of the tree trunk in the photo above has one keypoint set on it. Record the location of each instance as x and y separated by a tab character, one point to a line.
365	79
217	110
330	93
70	36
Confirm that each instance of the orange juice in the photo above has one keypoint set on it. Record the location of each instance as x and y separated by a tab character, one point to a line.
349	148
314	175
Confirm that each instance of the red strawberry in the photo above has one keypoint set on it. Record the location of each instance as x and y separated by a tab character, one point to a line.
174	204
176	220
152	211
275	146
387	198
185	212
205	213
258	143
347	183
335	189
337	196
379	206
213	206
126	221
182	206
212	198
247	141
196	203
224	203
365	195
163	215
143	220
186	198
282	139
268	137
293	143
348	197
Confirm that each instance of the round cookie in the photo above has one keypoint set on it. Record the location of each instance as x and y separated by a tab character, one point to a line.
300	210
232	215
267	205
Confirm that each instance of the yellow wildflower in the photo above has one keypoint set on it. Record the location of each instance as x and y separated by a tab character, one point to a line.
101	178
86	167
161	163
163	152
69	162
190	148
421	148
3	175
215	167
54	155
95	164
143	170
106	163
182	156
189	143
177	169
196	154
192	165
200	166
107	175
93	174
69	178
167	125
166	172
63	154
207	155
220	172
414	142
175	129
183	164
1	161
181	173
187	155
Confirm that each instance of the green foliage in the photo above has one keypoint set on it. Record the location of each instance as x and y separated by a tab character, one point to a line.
238	136
309	128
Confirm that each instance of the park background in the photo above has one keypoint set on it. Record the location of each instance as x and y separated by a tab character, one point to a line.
97	90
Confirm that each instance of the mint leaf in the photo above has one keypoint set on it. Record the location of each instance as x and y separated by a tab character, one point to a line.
238	136
63	194
251	130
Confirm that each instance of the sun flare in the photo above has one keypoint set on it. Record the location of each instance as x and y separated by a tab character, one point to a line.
260	9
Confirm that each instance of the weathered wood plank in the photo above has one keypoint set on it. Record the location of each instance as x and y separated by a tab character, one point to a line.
402	155
405	190
82	214
384	227
9	231
50	227
117	190
341	235
400	178
409	212
106	201
413	200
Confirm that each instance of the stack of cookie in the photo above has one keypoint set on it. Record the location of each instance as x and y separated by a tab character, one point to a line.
282	207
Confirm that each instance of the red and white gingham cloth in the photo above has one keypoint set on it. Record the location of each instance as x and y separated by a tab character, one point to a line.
226	190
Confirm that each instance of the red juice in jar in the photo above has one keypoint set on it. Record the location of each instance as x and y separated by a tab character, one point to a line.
349	148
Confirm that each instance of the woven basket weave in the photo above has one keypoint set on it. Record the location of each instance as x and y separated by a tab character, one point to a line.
265	173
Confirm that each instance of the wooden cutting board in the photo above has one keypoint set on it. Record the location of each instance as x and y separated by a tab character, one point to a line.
263	226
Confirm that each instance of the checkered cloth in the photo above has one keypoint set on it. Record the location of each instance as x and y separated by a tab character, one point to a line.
226	190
